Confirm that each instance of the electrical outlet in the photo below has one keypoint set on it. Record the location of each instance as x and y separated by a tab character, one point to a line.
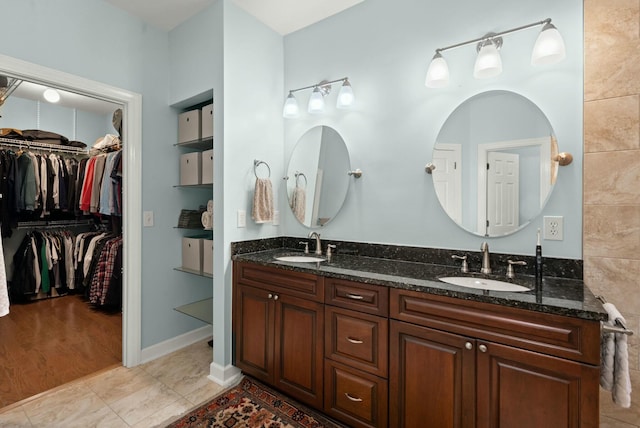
147	219
242	218
553	228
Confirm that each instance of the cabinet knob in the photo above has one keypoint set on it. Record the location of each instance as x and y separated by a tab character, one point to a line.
270	296
468	345
352	398
275	297
482	348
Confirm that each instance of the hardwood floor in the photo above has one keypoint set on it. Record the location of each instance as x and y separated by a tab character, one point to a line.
51	342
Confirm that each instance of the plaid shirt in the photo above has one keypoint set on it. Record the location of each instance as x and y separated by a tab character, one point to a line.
104	271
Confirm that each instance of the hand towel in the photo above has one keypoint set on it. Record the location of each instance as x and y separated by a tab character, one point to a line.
614	375
299	203
262	201
210	206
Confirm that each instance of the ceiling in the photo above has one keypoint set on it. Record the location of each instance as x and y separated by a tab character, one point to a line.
282	16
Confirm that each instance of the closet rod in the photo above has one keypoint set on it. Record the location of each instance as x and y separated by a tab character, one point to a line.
42	146
52	224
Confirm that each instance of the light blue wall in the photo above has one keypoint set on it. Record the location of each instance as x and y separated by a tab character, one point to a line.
253	129
385	48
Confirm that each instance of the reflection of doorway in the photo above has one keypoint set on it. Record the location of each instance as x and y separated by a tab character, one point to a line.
447	178
535	166
503	184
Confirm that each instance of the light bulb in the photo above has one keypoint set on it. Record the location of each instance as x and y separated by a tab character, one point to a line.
438	72
549	47
316	102
51	95
290	109
488	63
345	96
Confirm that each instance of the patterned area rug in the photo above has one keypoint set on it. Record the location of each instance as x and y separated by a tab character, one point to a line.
253	405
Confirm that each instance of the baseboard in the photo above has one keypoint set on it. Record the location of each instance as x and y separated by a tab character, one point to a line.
171	345
226	376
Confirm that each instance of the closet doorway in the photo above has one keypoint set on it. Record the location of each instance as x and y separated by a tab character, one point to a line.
130	318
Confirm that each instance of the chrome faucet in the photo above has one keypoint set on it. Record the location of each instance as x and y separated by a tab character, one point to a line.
318	244
486	263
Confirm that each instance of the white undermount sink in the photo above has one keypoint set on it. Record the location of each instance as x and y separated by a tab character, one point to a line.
300	259
483	284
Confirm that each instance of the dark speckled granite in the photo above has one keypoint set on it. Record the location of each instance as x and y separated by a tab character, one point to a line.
418	269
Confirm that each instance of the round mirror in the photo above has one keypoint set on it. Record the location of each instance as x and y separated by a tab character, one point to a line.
317	176
493	163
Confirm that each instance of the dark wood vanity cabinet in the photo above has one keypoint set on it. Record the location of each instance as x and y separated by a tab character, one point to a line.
376	356
278	335
356	353
468	364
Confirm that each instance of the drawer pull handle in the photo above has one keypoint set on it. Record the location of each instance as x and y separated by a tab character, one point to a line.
354	341
352	398
354	296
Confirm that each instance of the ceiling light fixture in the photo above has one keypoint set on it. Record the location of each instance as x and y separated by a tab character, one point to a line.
316	104
51	95
548	49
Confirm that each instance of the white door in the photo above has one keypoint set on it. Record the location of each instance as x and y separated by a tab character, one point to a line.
503	183
447	178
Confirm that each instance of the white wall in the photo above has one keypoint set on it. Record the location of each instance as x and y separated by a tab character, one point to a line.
384	48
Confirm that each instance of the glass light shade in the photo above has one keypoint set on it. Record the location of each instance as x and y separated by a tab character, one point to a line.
488	63
345	96
438	73
291	109
51	95
316	102
549	47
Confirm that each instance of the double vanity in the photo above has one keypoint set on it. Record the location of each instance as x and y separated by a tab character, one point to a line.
374	337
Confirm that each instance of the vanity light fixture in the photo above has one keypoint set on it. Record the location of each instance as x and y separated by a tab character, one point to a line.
548	49
51	95
316	103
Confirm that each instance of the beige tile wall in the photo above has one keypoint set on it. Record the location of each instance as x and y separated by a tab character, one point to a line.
611	234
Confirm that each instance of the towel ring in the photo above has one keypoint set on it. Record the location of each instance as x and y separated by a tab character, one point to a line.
301	174
256	164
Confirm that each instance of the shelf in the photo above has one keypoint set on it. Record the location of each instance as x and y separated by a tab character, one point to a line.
202	229
204	144
201	310
194	272
194	186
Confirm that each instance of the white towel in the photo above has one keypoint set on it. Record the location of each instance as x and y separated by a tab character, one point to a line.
614	370
207	220
299	203
210	206
262	201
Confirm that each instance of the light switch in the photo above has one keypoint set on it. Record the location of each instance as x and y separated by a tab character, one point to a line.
147	219
242	218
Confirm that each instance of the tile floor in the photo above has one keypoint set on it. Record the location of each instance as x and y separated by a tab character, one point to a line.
143	396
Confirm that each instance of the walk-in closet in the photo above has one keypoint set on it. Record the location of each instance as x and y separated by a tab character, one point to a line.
61	267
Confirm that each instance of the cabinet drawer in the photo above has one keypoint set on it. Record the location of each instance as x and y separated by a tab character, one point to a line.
354	397
293	283
372	299
550	334
359	340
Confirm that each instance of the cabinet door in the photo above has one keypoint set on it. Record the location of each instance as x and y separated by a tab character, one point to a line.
431	378
253	318
524	389
299	338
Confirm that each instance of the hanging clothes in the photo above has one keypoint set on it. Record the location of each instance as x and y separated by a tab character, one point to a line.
4	294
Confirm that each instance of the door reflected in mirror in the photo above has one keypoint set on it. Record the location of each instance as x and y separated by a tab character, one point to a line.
494	169
317	176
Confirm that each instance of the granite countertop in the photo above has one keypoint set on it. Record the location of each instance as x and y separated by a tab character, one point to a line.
559	296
